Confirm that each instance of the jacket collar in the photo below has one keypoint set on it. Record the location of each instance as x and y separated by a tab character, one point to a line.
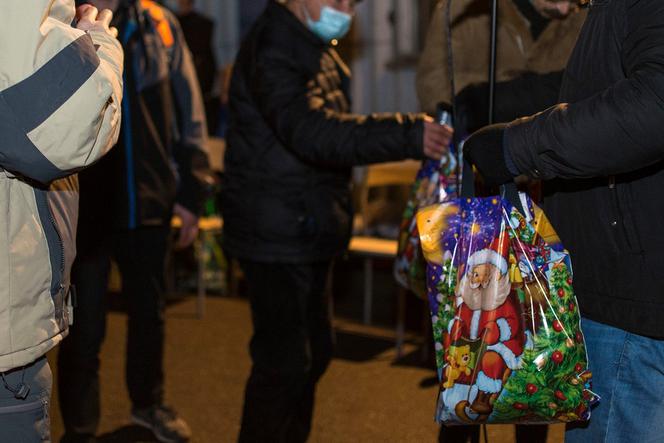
283	14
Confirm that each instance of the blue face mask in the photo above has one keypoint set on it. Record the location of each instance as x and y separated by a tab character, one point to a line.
332	24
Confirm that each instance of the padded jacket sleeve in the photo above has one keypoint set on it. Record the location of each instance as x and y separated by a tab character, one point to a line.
60	110
302	123
616	131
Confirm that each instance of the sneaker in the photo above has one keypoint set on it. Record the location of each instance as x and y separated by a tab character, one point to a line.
164	423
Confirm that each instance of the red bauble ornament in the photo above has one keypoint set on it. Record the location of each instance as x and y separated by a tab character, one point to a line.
579	336
531	388
569	280
557	357
578	367
557	326
520	406
560	395
561	292
572	306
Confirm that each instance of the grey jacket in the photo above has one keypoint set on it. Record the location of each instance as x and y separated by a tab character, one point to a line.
60	94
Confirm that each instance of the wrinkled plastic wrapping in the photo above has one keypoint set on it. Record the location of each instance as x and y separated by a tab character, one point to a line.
506	323
436	181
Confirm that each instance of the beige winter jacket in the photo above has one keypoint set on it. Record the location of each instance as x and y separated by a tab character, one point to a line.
517	52
60	93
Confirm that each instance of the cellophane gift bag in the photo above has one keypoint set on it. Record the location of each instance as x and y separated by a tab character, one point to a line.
436	181
506	323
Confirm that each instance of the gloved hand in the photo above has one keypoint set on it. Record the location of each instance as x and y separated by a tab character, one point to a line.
485	150
472	109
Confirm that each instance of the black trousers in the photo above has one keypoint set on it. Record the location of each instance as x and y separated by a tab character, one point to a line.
140	255
291	348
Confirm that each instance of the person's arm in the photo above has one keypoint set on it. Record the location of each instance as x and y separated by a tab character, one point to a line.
616	131
61	111
432	78
190	153
323	136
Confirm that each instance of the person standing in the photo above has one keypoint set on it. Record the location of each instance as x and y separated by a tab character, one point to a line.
286	197
600	154
127	201
60	95
534	37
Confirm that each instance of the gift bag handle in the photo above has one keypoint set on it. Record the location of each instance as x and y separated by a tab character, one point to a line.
508	191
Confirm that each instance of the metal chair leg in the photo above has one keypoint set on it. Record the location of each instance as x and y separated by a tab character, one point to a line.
368	290
401	321
200	295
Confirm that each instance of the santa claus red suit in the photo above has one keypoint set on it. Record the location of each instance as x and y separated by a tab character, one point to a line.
487	310
501	331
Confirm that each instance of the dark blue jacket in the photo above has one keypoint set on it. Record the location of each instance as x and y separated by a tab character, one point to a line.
161	156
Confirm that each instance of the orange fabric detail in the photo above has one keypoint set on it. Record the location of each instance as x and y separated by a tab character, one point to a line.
163	27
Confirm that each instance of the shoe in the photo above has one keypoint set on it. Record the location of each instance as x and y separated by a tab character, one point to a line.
164	423
482	403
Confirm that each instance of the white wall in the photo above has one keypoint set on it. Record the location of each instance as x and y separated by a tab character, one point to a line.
226	14
376	87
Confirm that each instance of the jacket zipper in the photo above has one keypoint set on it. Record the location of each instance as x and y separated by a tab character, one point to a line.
60	244
45	212
33	405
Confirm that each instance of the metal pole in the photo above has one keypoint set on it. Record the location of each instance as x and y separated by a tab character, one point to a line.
492	63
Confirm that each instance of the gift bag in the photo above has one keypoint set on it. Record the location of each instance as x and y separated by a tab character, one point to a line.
506	324
436	181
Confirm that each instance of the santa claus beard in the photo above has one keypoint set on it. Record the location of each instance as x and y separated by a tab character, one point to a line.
486	296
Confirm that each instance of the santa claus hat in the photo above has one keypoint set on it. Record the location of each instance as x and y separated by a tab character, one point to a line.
495	254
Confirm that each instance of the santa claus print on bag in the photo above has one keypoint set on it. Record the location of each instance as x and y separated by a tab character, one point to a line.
489	275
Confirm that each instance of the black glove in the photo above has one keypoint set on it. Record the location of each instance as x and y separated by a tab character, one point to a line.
472	108
485	150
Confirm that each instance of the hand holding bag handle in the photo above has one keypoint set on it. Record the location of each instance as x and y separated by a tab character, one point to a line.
508	191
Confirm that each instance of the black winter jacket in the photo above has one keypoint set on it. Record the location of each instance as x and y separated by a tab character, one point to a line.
291	145
602	154
161	156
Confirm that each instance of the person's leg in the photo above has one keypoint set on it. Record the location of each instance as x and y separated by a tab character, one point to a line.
25	419
459	434
531	433
78	354
141	255
285	362
628	375
321	344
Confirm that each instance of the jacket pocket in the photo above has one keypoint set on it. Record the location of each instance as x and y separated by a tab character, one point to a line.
283	217
624	201
26	421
